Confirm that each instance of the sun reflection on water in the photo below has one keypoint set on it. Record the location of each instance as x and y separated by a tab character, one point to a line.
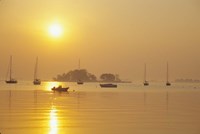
50	85
53	122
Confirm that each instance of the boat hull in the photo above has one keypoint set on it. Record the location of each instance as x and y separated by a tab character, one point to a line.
11	81
168	84
37	82
108	85
146	84
60	89
80	83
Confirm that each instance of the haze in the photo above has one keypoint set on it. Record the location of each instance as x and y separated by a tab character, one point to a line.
115	36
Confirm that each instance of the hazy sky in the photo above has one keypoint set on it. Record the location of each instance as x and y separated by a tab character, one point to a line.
116	36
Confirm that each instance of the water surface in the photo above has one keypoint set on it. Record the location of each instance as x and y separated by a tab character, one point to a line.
89	109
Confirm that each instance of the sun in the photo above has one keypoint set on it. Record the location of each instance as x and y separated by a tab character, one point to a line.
55	30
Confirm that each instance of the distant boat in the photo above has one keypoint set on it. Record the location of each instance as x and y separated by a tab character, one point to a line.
109	85
36	81
79	82
168	83
146	83
60	89
11	80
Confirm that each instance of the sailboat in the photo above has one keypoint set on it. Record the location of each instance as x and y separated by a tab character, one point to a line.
146	83
36	81
168	83
11	80
79	82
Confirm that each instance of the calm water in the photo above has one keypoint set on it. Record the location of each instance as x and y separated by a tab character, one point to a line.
89	109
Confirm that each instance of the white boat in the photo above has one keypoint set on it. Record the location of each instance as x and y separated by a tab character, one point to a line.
168	83
60	89
146	83
108	85
10	80
36	81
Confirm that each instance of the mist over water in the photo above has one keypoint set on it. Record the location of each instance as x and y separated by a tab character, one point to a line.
88	109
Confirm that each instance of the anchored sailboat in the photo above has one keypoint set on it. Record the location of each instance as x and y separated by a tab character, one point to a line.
79	82
36	81
168	83
11	80
146	83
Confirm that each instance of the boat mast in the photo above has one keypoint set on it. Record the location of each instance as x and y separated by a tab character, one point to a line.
79	70
79	64
35	71
79	74
10	67
167	73
145	72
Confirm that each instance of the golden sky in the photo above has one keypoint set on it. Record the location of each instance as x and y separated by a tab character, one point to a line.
116	36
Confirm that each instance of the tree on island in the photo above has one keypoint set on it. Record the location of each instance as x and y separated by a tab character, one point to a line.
108	77
75	75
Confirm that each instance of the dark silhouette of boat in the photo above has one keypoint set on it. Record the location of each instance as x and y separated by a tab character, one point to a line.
168	83
79	82
60	89
11	80
36	81
146	83
109	85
